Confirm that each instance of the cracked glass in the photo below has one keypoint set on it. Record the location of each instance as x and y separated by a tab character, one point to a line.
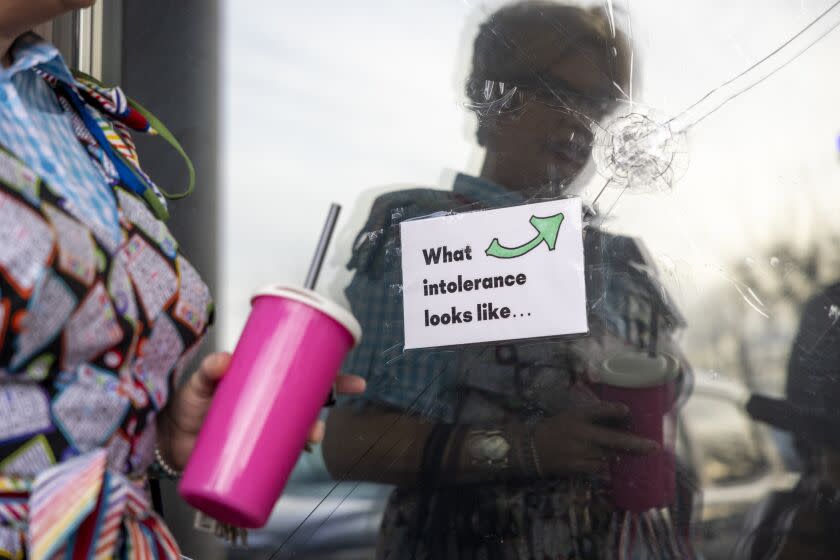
696	417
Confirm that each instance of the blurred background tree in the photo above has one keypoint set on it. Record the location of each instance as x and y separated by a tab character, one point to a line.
744	328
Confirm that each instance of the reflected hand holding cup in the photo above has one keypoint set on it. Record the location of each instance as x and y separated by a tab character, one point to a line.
345	384
583	440
645	385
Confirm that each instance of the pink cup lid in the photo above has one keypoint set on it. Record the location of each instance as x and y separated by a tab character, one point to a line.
638	369
319	302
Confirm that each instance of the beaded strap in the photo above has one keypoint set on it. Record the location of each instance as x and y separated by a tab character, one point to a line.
164	467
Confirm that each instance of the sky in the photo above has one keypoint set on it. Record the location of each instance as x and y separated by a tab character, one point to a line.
324	101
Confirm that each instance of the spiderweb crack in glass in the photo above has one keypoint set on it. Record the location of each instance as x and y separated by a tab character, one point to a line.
637	152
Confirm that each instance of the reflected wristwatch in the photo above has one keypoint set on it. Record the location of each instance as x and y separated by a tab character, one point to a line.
489	448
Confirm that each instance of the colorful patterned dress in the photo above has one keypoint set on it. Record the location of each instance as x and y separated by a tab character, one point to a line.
97	323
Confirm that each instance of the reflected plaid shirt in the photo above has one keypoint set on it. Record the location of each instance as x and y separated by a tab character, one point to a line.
624	296
415	380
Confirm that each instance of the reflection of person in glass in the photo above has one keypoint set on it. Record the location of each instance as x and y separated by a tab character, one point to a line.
499	450
804	522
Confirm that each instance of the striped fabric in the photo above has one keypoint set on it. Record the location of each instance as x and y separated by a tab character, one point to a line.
114	100
13	484
79	509
117	141
13	511
112	517
116	118
136	544
61	499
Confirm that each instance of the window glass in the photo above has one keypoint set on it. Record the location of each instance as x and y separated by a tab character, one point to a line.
702	143
725	440
592	249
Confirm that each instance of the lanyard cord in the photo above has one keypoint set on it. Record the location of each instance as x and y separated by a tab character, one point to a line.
128	176
161	130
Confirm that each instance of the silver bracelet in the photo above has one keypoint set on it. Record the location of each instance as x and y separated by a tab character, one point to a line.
164	466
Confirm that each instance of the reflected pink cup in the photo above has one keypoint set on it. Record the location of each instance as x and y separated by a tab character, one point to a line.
646	385
280	375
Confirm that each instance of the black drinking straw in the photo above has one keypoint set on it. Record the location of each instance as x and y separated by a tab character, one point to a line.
318	260
321	249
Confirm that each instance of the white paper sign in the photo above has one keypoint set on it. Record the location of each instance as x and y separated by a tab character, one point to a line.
493	275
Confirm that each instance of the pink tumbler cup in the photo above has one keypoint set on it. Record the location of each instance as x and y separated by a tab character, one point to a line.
646	385
280	376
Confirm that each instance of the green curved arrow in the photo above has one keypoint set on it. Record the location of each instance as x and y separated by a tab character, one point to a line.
547	230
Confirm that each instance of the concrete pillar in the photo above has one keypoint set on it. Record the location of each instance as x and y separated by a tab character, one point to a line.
170	64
